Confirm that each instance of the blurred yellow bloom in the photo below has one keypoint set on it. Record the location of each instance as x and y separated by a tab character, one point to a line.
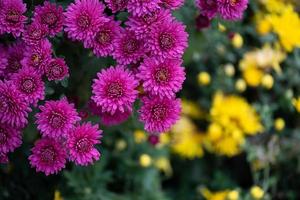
237	41
121	145
263	26
279	124
221	27
253	76
208	195
164	165
139	136
240	85
233	195
191	109
229	69
203	78
145	160
57	195
267	81
256	192
296	103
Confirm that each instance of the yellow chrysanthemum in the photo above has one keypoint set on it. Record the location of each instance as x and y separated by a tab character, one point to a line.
139	136
296	103
163	164
257	192
209	195
191	109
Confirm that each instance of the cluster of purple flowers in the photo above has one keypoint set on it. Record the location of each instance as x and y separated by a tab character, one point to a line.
148	50
227	9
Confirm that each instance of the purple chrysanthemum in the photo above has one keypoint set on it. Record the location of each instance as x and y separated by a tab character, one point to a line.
232	9
56	69
81	143
208	8
3	60
117	118
172	4
3	158
141	7
83	19
10	138
38	56
15	54
202	22
48	156
104	40
51	16
34	33
162	78
158	114
142	25
169	40
11	17
29	83
116	5
128	48
115	89
13	109
56	118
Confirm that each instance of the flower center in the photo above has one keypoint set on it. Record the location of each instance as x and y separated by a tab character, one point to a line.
36	59
83	145
119	4
36	34
14	64
50	19
162	75
233	2
56	120
3	136
149	18
83	21
13	16
28	85
158	112
56	70
103	37
115	90
48	155
166	41
131	46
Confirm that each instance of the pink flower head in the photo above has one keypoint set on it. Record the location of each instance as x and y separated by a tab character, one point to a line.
38	56
159	114
34	33
232	9
3	60
56	69
162	78
141	7
104	39
3	158
48	156
115	89
208	8
51	16
142	25
13	109
83	19
168	40
118	117
14	56
172	4
116	5
11	17
56	118
81	144
128	48
29	83
10	138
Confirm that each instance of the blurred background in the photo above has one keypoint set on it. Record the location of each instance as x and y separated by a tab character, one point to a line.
238	136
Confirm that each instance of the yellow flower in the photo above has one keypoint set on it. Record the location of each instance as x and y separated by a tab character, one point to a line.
145	160
296	103
221	27
229	70
279	124
253	76
139	136
240	85
203	78
164	139
121	145
264	26
219	195
191	109
267	81
57	195
164	165
256	192
233	195
237	41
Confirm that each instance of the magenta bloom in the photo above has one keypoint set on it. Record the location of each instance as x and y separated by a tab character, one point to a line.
114	89
83	19
57	69
232	9
81	144
158	114
51	16
13	109
141	7
56	118
3	158
168	40
15	54
11	17
208	8
172	4
38	56
202	22
114	119
29	83
3	60
162	78
116	5
104	41
34	33
128	48
10	138
142	25
48	156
